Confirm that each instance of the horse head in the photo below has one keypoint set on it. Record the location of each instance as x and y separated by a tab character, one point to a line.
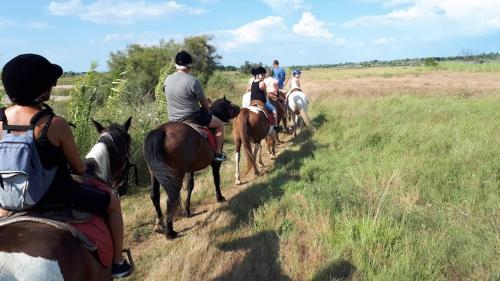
224	109
111	155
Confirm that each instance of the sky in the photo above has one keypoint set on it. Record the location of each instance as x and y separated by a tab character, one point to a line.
73	33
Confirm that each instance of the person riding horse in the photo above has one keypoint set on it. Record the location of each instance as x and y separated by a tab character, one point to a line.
258	94
28	80
184	95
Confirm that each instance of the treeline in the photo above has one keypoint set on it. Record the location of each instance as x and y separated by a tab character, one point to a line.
465	57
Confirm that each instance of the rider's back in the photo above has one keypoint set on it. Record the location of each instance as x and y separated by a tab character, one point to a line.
183	92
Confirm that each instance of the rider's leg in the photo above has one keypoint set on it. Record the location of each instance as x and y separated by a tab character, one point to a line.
115	223
218	125
272	109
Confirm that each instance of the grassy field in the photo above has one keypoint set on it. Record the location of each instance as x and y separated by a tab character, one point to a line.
401	181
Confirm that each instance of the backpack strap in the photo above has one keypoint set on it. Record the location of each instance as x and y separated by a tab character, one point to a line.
7	127
46	111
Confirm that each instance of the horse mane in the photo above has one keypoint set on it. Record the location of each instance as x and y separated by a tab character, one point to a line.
110	149
222	108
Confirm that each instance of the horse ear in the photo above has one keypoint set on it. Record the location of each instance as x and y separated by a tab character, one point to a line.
98	126
126	125
224	98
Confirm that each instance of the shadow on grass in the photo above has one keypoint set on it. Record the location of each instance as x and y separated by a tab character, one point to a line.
338	270
261	261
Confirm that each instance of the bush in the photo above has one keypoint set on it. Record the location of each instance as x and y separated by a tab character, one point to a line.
219	85
430	62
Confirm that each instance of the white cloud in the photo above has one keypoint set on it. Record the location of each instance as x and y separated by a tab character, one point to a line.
462	17
279	5
141	38
119	12
38	25
383	40
312	27
254	32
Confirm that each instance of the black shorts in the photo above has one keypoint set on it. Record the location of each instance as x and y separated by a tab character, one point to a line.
202	118
82	196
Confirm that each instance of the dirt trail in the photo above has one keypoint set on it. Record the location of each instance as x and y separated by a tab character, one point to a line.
209	217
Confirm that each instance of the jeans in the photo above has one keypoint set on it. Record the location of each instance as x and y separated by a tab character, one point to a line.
269	106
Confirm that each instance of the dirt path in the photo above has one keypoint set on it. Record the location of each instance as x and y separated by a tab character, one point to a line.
209	217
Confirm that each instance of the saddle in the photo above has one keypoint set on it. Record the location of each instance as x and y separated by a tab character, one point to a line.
90	229
205	133
256	108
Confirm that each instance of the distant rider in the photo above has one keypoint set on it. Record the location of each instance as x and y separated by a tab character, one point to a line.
258	93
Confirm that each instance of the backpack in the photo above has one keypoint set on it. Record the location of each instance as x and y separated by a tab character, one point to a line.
23	179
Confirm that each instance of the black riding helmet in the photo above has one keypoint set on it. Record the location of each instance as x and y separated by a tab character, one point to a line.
258	70
27	76
183	58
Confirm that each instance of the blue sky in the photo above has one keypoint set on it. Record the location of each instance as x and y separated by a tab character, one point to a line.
73	33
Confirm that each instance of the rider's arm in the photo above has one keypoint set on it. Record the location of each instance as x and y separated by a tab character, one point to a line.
60	135
204	103
262	86
198	90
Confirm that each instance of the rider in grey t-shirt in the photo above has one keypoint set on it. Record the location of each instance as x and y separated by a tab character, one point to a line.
184	97
184	93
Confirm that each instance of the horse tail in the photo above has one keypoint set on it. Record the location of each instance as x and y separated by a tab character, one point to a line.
166	176
245	140
306	119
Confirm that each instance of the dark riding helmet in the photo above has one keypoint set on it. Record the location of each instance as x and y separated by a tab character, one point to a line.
258	70
183	58
27	76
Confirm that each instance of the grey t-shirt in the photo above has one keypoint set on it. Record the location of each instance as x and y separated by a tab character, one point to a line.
183	92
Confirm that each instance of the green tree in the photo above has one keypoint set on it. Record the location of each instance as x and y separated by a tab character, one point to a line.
145	63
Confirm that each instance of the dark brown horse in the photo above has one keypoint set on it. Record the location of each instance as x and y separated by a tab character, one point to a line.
174	149
281	110
36	251
249	127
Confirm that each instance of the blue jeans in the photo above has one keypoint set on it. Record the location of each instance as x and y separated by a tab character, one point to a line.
269	106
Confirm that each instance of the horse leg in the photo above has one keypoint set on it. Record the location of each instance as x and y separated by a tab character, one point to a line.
237	161
190	187
216	175
255	151
294	121
260	154
155	197
172	206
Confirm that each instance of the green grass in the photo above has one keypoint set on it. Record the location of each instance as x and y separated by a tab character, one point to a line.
409	187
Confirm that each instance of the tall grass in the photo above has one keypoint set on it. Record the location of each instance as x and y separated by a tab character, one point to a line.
409	189
460	66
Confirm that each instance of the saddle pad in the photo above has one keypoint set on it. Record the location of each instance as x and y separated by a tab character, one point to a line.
97	231
256	109
205	133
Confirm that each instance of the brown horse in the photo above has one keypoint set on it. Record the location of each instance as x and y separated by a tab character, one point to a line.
37	251
250	127
174	149
280	108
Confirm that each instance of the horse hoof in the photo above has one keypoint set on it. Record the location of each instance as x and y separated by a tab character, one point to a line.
257	173
237	182
273	157
186	213
221	199
172	235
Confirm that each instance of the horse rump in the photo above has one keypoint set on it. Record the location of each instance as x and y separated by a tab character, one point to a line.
154	153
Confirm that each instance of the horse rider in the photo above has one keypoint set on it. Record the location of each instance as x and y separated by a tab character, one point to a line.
272	88
279	74
185	95
258	93
28	80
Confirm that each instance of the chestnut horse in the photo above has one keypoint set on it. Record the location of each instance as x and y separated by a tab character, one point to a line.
174	149
250	127
37	251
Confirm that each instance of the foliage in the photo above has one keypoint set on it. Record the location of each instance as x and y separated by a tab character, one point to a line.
220	85
144	63
247	66
430	62
2	95
82	106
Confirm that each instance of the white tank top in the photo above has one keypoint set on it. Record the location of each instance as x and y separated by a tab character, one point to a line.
294	84
270	82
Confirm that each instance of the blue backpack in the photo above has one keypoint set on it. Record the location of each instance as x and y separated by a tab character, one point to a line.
23	179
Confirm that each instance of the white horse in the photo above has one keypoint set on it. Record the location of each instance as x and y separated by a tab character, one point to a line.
298	104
